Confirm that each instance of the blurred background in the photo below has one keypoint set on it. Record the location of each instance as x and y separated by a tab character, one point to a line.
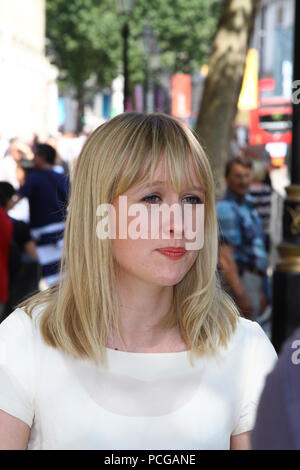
223	67
62	65
63	70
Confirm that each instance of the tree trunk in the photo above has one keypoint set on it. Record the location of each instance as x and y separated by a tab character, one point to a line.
80	108
223	82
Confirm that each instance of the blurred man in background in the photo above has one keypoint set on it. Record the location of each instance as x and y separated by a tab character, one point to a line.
47	192
23	265
242	258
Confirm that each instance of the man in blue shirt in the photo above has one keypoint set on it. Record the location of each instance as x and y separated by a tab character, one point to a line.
47	192
243	257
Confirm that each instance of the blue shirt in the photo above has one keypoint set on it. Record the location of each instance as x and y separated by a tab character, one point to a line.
47	192
241	227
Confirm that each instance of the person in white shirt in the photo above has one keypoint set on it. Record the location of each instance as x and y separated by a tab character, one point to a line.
10	169
12	172
137	347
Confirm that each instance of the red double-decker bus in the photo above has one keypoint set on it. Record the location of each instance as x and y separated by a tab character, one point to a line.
271	123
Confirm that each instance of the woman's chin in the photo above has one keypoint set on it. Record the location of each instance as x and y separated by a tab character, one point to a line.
168	281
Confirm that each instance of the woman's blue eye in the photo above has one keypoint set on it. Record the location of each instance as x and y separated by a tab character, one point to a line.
155	199
152	199
192	200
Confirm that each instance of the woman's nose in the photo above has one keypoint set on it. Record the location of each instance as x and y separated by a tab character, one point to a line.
172	221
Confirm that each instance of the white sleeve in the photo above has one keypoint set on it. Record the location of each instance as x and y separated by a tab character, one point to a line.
17	366
260	359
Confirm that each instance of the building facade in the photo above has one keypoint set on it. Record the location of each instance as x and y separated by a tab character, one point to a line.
28	90
273	38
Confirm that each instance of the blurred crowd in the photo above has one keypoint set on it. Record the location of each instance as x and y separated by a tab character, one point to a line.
249	215
34	189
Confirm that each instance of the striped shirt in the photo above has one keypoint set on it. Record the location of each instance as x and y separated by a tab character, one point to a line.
261	199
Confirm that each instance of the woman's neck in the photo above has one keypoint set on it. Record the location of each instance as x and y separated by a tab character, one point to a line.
142	307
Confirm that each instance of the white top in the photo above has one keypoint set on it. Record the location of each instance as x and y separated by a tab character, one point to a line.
8	171
142	401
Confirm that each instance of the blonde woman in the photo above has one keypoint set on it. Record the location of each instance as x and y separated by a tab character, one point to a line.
137	347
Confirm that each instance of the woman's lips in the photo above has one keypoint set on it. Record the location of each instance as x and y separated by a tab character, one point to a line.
172	252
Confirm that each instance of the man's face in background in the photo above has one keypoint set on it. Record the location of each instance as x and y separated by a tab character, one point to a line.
239	179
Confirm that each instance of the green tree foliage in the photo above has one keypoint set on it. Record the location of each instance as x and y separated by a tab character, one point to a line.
183	29
84	41
84	38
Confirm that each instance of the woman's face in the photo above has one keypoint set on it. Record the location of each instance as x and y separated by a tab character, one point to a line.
155	248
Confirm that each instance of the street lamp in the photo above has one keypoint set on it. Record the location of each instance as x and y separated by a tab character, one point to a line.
124	8
151	51
286	280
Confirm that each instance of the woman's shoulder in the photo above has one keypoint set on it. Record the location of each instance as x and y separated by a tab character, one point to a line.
17	364
249	336
19	324
248	329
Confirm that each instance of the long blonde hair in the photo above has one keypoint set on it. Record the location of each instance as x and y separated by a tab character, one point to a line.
82	310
